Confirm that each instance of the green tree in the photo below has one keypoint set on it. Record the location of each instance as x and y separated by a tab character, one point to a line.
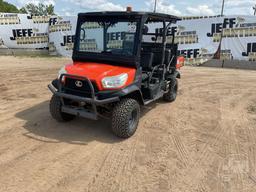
50	9
40	9
23	10
8	7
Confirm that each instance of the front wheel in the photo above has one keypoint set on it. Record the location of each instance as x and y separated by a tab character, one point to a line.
171	95
55	110
125	118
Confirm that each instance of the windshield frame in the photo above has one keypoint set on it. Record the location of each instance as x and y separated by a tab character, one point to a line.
106	57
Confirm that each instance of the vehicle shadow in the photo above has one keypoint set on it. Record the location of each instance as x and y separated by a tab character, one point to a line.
42	127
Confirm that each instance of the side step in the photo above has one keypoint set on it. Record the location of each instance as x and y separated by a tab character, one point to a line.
158	96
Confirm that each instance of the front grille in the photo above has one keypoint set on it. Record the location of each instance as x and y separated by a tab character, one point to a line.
82	90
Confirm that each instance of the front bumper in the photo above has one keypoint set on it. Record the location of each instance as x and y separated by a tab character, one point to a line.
95	101
79	111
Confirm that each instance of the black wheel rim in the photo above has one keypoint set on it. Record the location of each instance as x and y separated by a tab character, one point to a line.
133	120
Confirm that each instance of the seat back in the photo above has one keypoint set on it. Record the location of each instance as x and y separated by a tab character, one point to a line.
157	58
156	49
146	60
174	51
159	55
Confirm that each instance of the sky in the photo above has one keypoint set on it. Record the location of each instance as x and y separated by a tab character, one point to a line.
173	7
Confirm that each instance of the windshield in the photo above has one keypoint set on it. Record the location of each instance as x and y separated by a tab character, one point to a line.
107	36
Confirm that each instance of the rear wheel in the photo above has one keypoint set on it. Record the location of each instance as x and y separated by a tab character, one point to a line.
125	118
171	95
55	110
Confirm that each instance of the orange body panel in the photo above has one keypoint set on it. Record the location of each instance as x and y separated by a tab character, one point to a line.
97	71
180	62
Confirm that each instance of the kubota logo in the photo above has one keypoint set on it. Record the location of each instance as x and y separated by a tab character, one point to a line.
79	83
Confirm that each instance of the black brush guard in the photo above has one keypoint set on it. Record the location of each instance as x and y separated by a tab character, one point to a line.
78	111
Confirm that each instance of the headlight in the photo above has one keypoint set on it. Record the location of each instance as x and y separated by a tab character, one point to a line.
62	71
115	81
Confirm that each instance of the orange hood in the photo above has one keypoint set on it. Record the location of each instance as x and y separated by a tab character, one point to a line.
97	71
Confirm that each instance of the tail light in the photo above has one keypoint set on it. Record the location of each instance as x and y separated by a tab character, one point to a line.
180	62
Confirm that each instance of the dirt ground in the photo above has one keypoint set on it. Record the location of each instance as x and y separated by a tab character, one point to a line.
203	142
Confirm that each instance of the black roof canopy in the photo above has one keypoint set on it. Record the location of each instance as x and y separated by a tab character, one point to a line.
151	15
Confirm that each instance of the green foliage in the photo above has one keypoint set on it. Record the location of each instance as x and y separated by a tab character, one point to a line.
23	10
8	7
40	9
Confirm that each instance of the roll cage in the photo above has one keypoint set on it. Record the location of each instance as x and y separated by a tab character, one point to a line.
141	19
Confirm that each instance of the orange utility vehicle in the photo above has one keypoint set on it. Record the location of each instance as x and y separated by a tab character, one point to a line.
121	60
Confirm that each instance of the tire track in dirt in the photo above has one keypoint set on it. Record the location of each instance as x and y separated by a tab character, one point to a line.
78	177
111	170
195	172
176	148
246	178
206	156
